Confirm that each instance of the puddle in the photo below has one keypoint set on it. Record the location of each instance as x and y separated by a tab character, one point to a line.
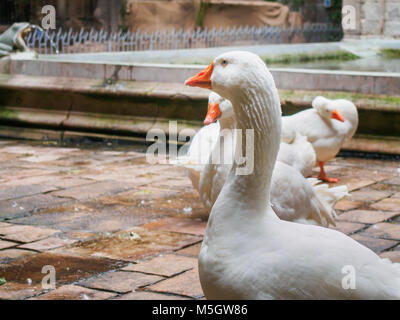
123	246
69	268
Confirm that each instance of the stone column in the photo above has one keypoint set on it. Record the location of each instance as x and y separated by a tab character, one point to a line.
374	19
392	19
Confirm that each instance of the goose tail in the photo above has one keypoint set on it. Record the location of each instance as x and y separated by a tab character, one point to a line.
325	198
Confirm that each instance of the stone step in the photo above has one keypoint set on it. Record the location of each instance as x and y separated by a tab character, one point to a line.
132	108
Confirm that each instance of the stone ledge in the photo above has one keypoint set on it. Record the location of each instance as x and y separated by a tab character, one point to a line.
132	108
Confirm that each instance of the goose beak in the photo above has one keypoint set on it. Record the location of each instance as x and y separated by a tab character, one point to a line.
336	115
213	113
202	79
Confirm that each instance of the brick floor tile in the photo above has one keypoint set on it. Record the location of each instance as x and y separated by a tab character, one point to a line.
16	173
47	244
369	195
12	209
394	181
180	225
18	291
384	230
146	295
137	174
7	244
164	265
73	292
79	235
14	253
345	205
396	195
366	216
41	158
376	245
356	183
192	251
121	281
348	227
33	234
14	228
393	256
68	182
93	190
23	191
186	284
388	204
5	224
175	184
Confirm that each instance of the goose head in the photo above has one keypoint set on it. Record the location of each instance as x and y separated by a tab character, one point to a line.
230	74
326	109
218	109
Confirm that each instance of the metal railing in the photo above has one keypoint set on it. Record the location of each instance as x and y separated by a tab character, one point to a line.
70	41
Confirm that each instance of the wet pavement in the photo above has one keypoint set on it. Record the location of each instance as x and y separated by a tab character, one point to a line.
111	226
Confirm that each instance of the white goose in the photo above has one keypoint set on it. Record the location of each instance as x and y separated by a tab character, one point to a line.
247	251
293	197
327	126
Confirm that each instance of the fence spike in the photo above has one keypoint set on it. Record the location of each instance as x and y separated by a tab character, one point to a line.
101	40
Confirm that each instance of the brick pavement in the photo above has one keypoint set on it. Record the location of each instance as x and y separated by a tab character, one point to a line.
115	227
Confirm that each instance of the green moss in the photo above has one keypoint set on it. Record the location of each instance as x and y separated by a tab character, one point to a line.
357	98
143	192
8	113
201	13
391	53
122	13
304	57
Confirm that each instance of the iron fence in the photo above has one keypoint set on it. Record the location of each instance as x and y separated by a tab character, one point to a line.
70	41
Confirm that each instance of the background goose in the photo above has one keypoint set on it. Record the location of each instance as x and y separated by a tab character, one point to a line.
292	197
198	152
247	251
327	126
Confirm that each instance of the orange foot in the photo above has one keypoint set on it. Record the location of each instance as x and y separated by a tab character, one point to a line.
327	179
322	175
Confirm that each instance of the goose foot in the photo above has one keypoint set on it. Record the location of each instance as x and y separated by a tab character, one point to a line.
322	175
328	179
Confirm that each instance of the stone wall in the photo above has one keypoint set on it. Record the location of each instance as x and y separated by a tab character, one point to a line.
374	19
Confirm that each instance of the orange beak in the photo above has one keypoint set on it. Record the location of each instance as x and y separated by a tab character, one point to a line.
213	113
202	79
336	115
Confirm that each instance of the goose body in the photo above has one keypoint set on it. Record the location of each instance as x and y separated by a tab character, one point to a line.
198	152
296	151
321	127
247	251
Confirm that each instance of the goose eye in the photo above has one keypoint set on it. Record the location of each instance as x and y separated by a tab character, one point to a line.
224	63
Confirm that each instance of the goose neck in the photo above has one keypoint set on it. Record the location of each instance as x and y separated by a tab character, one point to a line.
258	119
